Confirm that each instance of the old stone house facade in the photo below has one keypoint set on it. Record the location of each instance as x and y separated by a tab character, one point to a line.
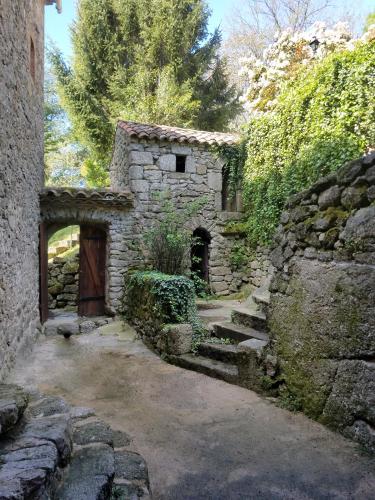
148	162
21	171
153	160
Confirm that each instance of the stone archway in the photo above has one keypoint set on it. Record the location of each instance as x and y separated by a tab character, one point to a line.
108	219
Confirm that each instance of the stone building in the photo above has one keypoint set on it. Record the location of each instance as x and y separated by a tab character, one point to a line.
148	161
21	171
152	159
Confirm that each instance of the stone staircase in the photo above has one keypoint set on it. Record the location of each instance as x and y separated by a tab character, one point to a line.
50	450
247	331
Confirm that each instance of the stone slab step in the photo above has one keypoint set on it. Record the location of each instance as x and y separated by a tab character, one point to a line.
261	296
13	402
251	319
221	352
90	474
213	368
236	332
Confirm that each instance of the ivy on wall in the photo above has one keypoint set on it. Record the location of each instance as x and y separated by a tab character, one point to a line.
324	117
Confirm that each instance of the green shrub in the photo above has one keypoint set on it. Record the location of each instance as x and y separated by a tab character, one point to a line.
170	298
324	117
169	241
152	299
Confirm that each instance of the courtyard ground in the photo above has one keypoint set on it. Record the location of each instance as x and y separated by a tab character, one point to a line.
202	438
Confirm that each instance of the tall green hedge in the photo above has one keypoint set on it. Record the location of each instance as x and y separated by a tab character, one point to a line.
324	117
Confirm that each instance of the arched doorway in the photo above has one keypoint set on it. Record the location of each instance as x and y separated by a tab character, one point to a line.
91	300
200	254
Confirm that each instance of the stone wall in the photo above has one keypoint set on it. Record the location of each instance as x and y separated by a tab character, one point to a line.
322	304
148	167
21	172
63	282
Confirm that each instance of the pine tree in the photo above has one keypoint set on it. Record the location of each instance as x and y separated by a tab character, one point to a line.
145	60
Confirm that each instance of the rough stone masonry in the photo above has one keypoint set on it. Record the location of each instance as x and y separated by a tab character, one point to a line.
322	303
21	172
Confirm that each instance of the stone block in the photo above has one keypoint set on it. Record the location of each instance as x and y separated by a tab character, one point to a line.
201	169
176	339
360	226
215	181
140	158
190	165
167	162
329	198
135	172
219	286
139	186
181	150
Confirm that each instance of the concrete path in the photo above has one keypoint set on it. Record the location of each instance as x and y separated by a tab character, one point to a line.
202	438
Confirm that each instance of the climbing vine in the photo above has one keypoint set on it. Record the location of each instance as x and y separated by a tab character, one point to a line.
234	157
324	117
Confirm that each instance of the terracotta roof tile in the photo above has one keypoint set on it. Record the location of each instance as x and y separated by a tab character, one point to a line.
77	196
176	134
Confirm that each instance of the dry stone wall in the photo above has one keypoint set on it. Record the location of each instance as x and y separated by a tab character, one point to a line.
322	303
21	172
63	282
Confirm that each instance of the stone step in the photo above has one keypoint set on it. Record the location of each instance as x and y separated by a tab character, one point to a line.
90	474
236	332
131	476
249	318
261	296
13	402
221	352
38	460
213	368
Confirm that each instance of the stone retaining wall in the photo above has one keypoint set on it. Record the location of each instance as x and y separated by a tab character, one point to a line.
63	282
322	304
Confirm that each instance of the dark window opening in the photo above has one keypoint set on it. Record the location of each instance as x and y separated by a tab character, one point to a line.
200	254
180	163
228	198
32	59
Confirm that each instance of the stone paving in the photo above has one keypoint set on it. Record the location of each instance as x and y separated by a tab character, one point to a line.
201	438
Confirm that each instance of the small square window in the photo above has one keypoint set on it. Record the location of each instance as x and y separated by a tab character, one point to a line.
180	163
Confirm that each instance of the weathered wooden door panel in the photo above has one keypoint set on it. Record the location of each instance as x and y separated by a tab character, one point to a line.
92	263
43	272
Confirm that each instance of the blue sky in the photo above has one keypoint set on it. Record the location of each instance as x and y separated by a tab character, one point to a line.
57	25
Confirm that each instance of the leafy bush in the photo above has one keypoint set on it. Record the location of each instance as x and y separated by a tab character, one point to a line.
324	117
152	299
171	298
169	242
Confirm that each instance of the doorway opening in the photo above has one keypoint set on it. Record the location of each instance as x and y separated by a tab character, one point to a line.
200	255
72	269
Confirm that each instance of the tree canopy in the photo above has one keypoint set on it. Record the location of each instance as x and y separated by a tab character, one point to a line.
143	60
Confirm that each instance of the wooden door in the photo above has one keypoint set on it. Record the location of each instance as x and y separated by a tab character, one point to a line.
92	263
43	273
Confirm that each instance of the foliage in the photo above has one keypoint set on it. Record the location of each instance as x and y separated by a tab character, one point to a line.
201	287
233	157
323	118
145	60
169	241
63	156
370	22
174	296
281	60
238	256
